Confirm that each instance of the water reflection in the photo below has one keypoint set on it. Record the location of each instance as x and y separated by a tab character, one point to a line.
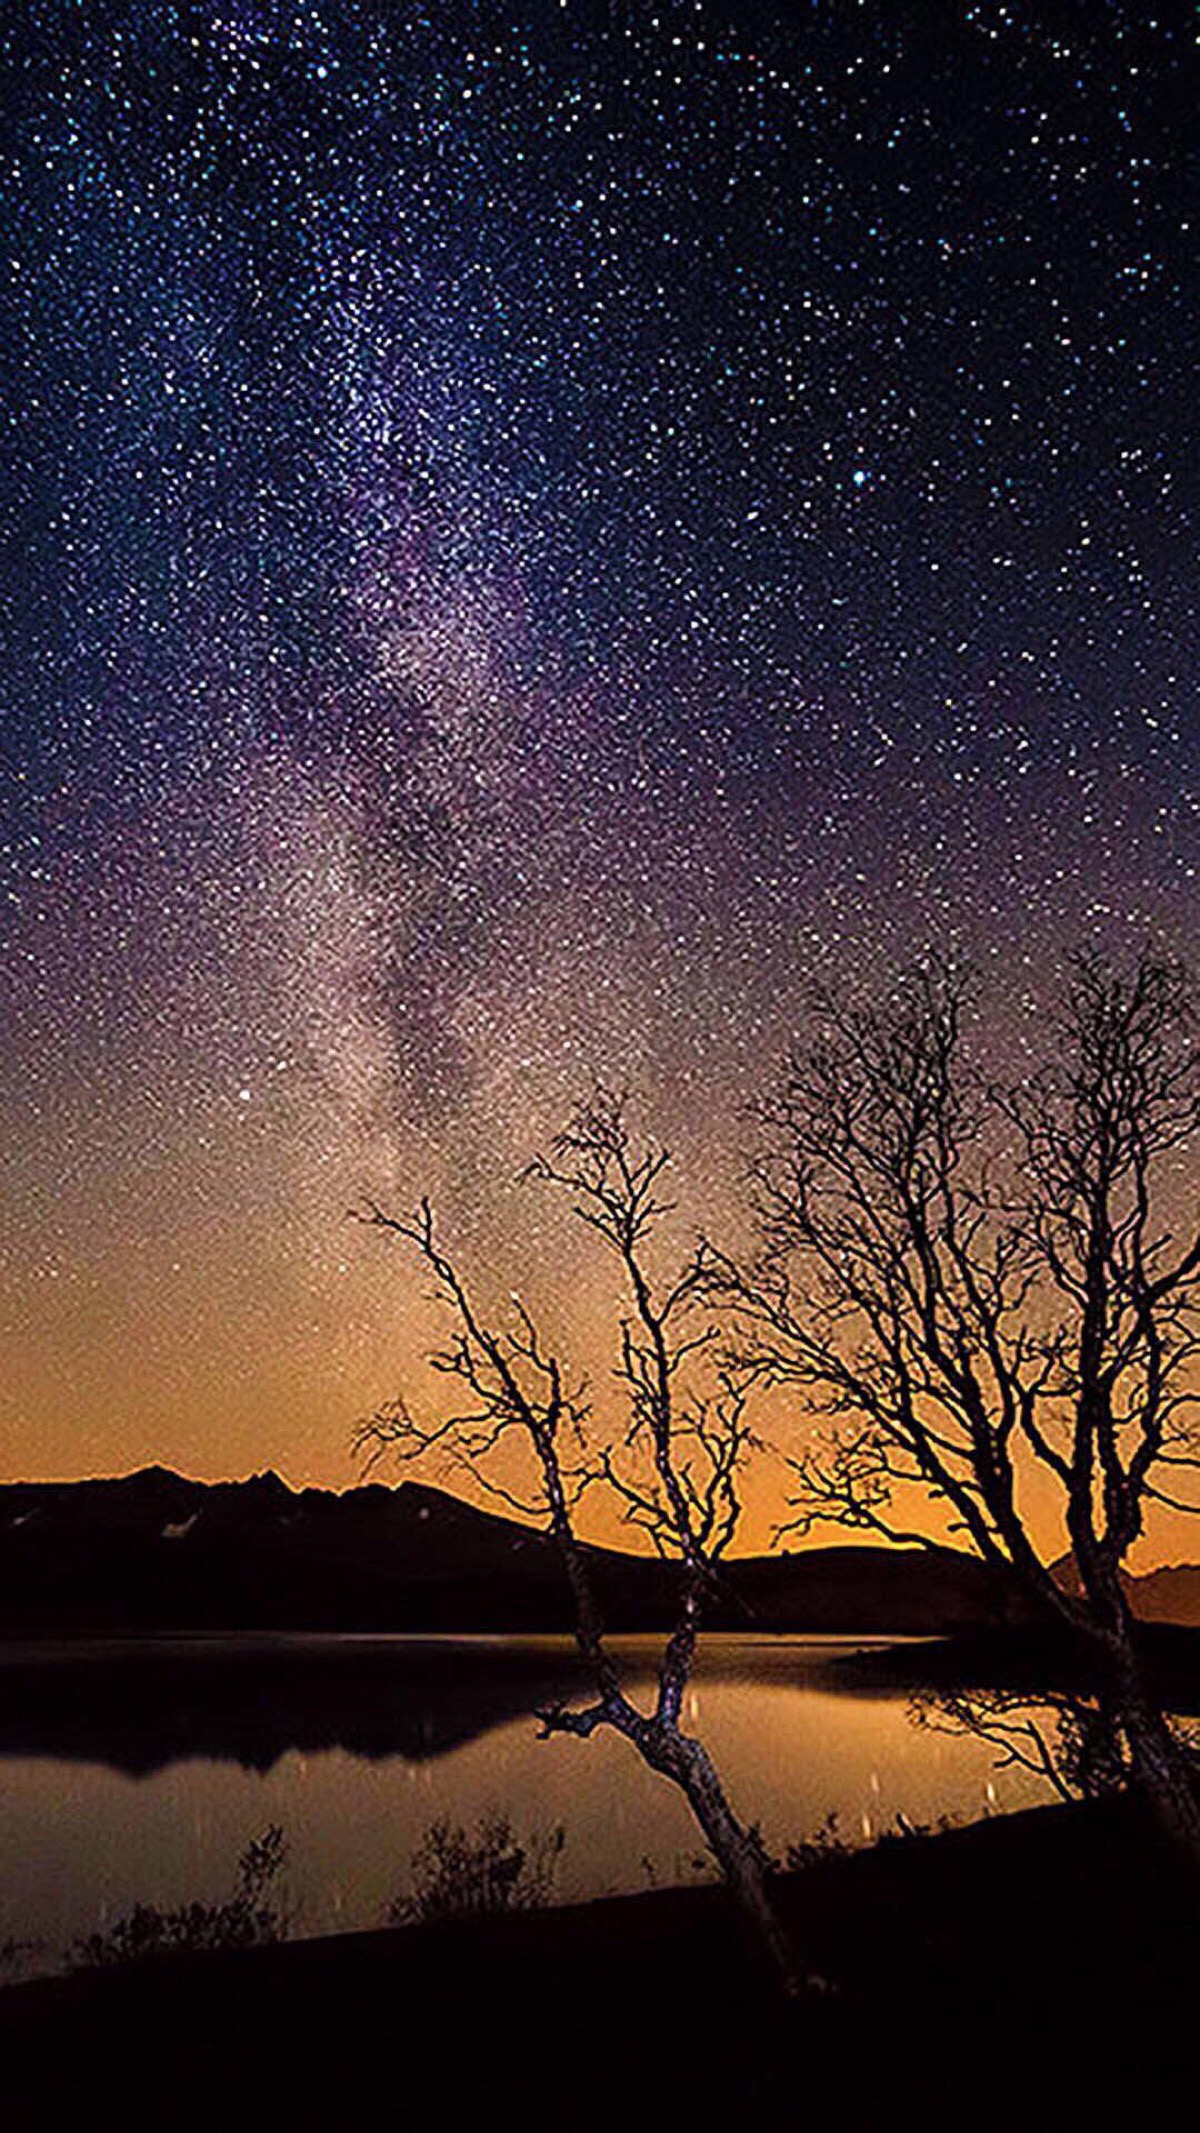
142	1772
143	1704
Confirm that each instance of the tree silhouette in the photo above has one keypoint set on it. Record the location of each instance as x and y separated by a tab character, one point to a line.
675	1472
976	1287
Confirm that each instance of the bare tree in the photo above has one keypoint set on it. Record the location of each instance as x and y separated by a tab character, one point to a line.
1058	1735
984	1290
675	1471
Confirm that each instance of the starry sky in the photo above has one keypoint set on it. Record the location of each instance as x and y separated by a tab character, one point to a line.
533	532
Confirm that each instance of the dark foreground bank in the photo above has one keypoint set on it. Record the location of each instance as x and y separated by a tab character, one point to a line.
1039	1971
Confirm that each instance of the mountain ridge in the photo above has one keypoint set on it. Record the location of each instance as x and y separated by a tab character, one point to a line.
154	1550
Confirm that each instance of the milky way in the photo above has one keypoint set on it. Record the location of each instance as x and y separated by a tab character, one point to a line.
535	530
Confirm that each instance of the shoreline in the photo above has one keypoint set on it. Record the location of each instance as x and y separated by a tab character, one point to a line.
946	1949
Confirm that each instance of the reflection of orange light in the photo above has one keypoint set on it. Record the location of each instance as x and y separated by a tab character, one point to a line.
790	1750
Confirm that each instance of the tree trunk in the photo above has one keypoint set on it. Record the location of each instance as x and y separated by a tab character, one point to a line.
1160	1769
1162	1775
736	1851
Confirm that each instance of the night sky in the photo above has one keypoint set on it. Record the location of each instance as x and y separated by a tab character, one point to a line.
534	531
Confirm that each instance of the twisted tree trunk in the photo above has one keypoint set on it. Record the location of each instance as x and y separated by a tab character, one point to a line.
736	1849
1161	1772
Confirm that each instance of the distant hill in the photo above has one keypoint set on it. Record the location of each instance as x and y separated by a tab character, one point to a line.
154	1551
1171	1594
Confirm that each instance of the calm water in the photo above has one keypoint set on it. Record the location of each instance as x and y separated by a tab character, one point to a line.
140	1772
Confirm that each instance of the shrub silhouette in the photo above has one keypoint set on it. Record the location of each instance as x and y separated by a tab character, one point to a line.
831	1841
457	1873
247	1919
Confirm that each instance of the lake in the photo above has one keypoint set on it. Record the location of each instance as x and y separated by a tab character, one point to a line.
139	1771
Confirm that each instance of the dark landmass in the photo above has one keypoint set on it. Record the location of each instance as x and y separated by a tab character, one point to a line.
1171	1594
1028	1660
153	1551
1039	1970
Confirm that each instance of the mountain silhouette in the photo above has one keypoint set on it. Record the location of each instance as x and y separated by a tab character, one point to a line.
153	1551
1169	1594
